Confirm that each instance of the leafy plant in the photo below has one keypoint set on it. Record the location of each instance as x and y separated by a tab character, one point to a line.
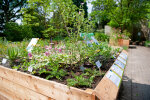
54	72
15	32
12	53
101	37
80	80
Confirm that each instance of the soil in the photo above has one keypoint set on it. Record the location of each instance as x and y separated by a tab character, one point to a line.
105	67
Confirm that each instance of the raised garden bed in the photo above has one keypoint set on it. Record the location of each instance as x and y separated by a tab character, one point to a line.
18	85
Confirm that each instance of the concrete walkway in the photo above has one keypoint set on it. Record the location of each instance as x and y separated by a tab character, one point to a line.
136	80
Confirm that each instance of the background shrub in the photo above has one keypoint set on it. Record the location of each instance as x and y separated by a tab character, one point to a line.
101	37
15	32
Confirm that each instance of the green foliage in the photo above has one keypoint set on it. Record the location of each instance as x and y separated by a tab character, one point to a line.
54	73
3	46
9	11
101	37
12	53
80	80
83	3
121	13
54	70
85	79
147	43
33	17
99	13
15	32
125	48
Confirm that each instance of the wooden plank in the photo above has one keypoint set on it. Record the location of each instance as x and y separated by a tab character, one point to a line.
7	94
106	89
19	91
2	97
91	91
48	88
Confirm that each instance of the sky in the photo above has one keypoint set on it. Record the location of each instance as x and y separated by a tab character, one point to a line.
88	4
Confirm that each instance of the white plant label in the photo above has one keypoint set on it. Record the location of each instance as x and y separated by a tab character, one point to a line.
122	60
123	55
31	44
88	43
30	68
82	68
119	63
113	77
117	70
114	56
98	64
4	61
96	42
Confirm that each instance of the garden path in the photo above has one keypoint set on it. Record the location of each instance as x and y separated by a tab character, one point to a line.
136	79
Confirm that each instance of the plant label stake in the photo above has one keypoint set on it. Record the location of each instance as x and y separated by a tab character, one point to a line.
31	44
82	68
88	43
4	60
30	68
96	42
98	64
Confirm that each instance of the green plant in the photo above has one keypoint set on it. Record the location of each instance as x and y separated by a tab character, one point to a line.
80	80
12	53
93	72
125	47
85	79
54	72
101	37
15	32
124	35
147	43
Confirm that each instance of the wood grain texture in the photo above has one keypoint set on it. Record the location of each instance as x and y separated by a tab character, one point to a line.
106	90
48	88
18	92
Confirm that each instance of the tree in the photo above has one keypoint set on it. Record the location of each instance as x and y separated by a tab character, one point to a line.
9	11
34	17
122	14
99	13
83	3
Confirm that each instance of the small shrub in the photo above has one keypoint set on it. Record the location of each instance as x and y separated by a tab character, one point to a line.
101	37
147	43
12	53
15	32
